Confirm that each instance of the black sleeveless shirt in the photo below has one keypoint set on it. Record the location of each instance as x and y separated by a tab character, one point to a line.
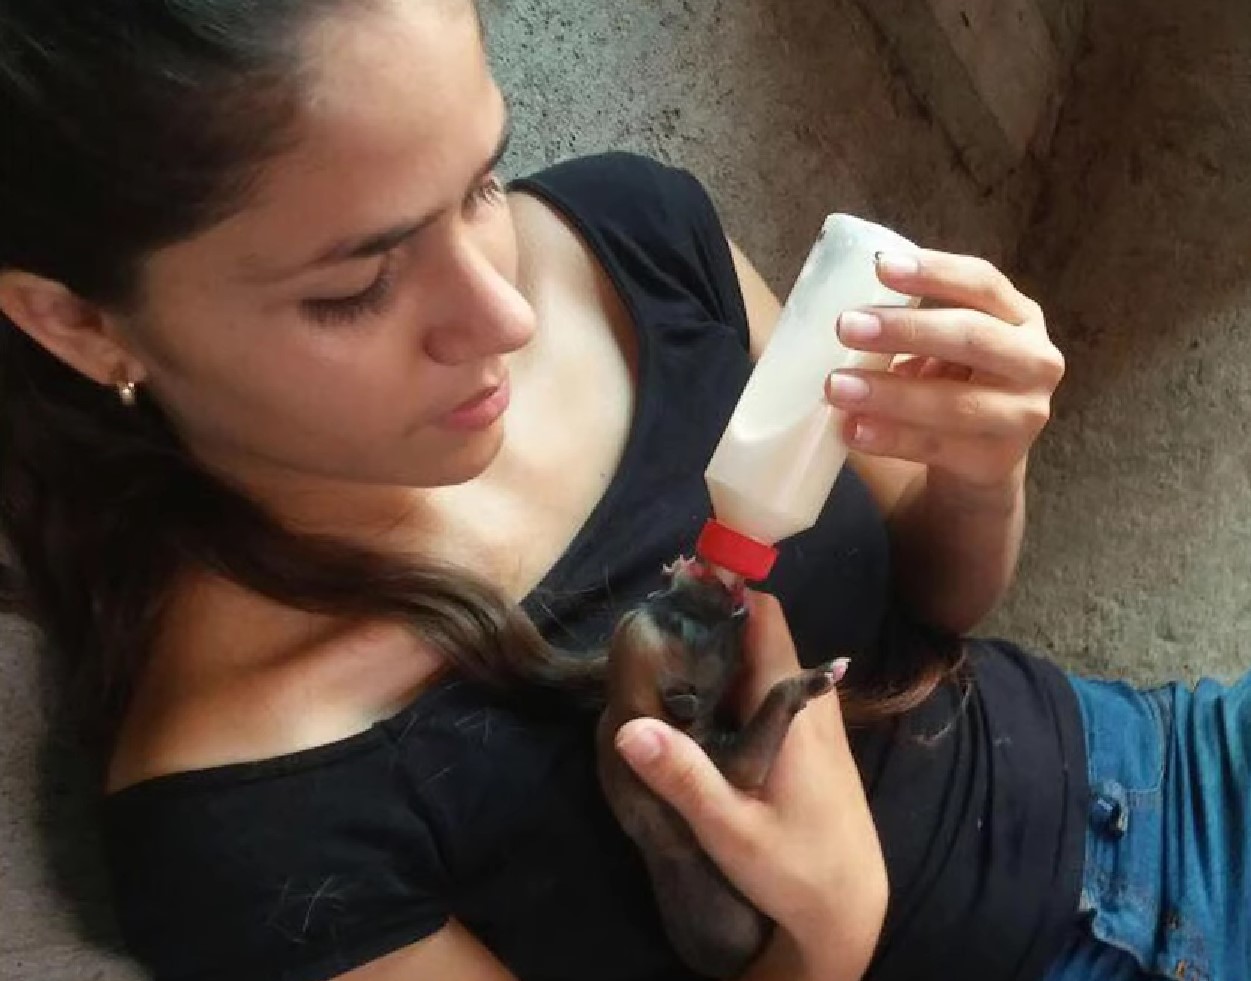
464	805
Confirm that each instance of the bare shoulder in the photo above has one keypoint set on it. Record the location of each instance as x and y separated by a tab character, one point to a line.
236	677
538	223
557	265
763	307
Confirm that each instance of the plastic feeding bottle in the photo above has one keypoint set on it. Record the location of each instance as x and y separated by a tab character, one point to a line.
783	449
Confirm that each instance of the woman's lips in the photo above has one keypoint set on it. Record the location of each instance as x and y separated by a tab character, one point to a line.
481	411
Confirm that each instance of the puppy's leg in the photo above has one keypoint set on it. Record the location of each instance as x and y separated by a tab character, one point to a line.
713	928
747	759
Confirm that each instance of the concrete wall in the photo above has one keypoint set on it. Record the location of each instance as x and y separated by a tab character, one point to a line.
1138	557
1066	21
993	72
787	110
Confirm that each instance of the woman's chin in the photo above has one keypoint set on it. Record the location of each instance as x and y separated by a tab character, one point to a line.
473	455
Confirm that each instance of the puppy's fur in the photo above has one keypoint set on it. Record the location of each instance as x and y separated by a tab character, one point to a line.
677	657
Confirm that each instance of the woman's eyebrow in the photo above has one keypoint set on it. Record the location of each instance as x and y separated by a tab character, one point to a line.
382	242
379	243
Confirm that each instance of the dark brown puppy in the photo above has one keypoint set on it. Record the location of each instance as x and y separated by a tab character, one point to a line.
677	657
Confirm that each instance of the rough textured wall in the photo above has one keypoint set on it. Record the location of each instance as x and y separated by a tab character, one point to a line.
1139	551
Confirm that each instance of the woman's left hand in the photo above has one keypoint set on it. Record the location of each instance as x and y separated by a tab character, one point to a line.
970	386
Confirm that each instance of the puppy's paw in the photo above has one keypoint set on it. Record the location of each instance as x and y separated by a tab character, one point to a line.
819	681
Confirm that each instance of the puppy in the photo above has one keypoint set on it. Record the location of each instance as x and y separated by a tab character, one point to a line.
677	657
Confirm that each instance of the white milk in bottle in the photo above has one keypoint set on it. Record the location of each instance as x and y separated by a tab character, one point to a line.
783	449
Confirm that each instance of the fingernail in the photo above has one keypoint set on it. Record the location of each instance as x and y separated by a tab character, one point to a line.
838	669
640	744
848	388
864	433
855	326
898	264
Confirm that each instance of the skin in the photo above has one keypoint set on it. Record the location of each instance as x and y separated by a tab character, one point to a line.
342	427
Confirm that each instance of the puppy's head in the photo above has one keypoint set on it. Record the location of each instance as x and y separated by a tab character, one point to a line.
684	644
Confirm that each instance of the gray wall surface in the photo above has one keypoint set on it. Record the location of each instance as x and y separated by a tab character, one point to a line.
1138	557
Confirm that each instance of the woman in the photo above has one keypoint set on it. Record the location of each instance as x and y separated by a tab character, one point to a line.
308	425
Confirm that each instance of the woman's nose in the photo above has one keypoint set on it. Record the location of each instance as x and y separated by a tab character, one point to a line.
481	313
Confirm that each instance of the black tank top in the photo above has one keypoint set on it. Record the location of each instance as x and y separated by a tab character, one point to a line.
465	805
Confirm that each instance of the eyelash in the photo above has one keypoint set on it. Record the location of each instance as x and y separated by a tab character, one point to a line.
489	191
373	299
348	309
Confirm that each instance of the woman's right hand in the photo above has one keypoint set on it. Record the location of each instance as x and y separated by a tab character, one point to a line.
804	849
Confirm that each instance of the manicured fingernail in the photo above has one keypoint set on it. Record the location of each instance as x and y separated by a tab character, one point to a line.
640	744
897	264
838	669
854	326
848	388
864	434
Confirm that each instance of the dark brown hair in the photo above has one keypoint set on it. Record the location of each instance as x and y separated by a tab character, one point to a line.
134	124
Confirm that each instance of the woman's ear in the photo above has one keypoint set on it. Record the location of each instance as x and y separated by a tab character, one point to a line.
78	332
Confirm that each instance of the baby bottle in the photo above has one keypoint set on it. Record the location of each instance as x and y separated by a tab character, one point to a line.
783	449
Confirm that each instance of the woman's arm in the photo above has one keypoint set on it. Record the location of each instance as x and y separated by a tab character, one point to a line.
955	548
453	952
783	960
942	440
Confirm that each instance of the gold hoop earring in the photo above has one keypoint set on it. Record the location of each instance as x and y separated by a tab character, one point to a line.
127	391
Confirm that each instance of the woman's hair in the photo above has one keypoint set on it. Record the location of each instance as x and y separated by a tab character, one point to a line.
131	125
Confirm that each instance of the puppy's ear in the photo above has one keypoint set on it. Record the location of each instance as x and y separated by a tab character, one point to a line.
681	704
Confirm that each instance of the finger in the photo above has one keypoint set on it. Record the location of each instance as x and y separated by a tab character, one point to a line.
960	280
979	461
949	370
941	404
960	336
936	368
768	649
906	366
680	773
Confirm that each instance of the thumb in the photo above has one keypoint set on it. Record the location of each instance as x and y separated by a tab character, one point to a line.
678	771
769	651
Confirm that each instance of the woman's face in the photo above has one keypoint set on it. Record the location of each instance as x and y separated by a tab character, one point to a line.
332	328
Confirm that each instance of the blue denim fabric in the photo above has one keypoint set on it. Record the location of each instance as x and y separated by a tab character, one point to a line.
1167	885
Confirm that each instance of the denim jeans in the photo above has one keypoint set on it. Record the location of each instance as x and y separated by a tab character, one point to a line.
1166	891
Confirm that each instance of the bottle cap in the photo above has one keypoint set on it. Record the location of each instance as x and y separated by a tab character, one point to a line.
741	554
